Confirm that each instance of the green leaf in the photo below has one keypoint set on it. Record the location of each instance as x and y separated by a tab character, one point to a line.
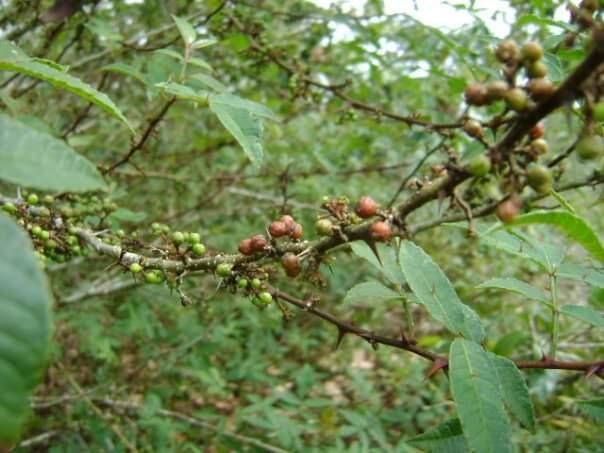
581	273
431	286
514	244
510	342
446	437
186	30
246	128
200	63
583	313
183	92
35	159
25	327
516	286
478	398
65	81
373	292
515	392
563	203
573	226
201	43
210	81
125	69
390	267
362	250
243	104
594	408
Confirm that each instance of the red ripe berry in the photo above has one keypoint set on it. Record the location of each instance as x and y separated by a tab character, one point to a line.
507	210
278	229
291	264
258	242
245	247
366	207
538	130
380	231
297	231
288	221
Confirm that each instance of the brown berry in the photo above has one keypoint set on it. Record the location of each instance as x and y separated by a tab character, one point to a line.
589	5
541	88
539	146
507	210
278	229
538	130
258	242
245	247
536	69
476	94
496	89
297	231
507	52
517	99
291	264
288	221
366	207
380	231
532	51
472	128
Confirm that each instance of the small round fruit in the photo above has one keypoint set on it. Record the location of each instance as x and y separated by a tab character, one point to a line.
366	207
135	268
45	235
243	283
245	247
479	166
517	99
32	198
297	232
198	249
178	237
496	89
598	111
324	227
291	264
507	211
256	283
278	229
265	298
224	270
48	200
476	94
539	178
9	207
541	89
194	238
590	147
536	69
153	277
507	52
258	243
36	231
538	130
532	51
539	146
472	128
288	221
380	231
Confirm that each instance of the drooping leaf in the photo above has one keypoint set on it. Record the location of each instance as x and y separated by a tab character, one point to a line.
516	286
593	408
478	398
573	226
186	30
581	273
25	327
210	81
60	79
432	287
183	92
244	104
515	392
445	438
372	292
587	314
35	159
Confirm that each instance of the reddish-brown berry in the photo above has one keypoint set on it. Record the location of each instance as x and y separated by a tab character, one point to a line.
278	229
538	130
245	247
507	210
380	231
288	221
297	231
366	207
258	242
472	128
476	94
507	52
291	264
541	88
496	89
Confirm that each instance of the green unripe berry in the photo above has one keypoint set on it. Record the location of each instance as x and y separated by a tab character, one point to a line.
324	227
48	200
178	237
265	297
155	226
32	198
72	240
479	166
51	244
76	249
9	207
153	277
198	249
590	147
517	99
531	51
536	69
256	283
598	111
44	235
243	283
224	270
120	233
135	268
539	178
165	229
539	146
36	231
194	238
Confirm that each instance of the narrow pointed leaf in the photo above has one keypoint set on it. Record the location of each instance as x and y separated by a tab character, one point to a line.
362	250
186	30
34	159
239	103
210	81
372	292
516	286
587	314
446	437
478	398
25	327
581	273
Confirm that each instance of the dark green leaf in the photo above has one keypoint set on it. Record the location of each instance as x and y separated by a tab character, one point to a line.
583	313
446	437
594	408
371	292
516	286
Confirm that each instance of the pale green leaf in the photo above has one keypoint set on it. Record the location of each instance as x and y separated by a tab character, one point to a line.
390	266
362	250
34	159
25	327
515	392
125	69
478	398
372	292
201	43
581	273
445	438
194	61
210	81
516	286
183	92
239	103
186	30
583	313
